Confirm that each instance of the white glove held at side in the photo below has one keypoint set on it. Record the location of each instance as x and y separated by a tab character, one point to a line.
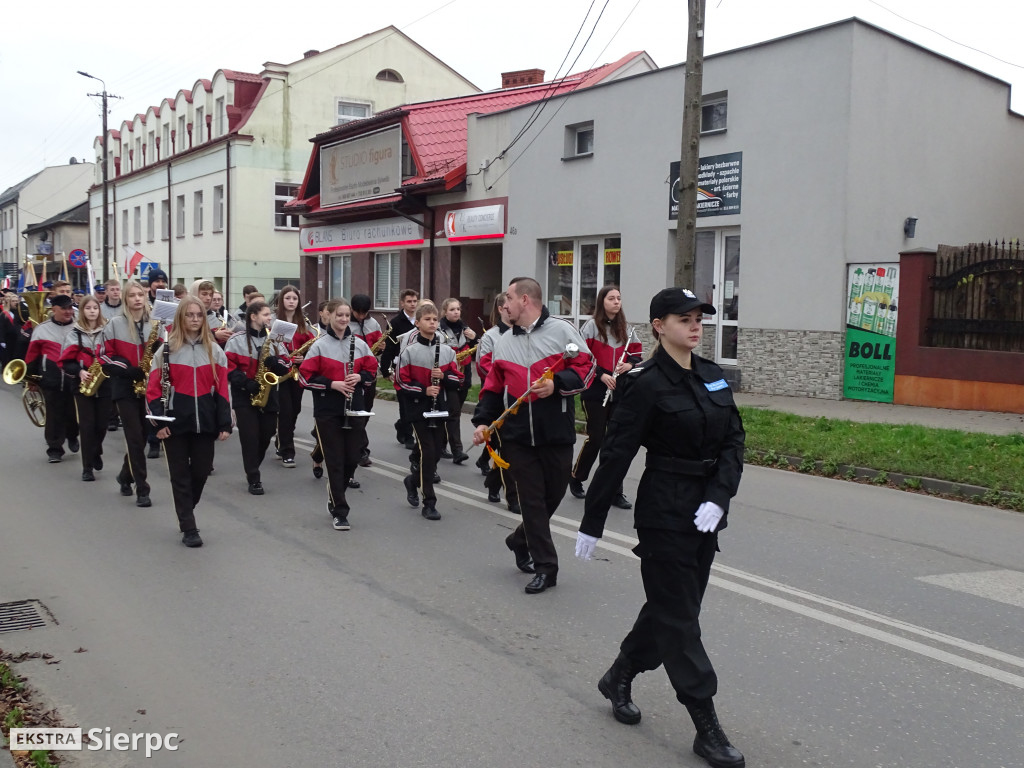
585	546
707	516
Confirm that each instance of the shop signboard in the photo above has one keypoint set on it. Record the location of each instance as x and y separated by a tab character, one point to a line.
481	222
362	235
719	185
869	370
361	168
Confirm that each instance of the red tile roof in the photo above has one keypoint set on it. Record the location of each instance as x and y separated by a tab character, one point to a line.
246	77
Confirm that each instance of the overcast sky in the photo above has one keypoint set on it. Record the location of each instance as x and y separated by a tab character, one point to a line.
145	56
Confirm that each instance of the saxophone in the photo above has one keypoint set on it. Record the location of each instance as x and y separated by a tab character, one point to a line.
378	345
91	386
146	363
266	378
301	351
464	355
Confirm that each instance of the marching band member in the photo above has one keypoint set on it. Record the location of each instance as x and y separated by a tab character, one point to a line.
368	329
43	359
111	306
423	366
247	352
338	369
82	348
681	409
125	342
317	454
222	329
192	369
289	393
459	336
496	477
538	440
608	338
402	323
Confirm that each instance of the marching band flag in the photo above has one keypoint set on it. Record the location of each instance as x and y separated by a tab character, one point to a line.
132	258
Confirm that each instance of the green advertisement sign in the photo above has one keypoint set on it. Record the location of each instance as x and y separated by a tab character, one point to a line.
869	370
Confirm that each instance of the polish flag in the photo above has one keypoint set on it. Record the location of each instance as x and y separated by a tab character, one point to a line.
132	258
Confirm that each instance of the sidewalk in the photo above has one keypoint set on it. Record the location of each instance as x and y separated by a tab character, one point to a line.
886	413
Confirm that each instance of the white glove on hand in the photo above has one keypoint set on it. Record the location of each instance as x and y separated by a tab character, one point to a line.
585	546
707	516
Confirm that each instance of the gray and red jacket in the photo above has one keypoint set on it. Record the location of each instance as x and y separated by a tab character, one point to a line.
243	352
81	348
606	357
455	337
122	354
328	361
199	398
412	376
43	355
366	329
518	360
485	349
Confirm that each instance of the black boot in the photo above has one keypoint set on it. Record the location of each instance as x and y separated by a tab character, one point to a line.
616	686
711	742
576	488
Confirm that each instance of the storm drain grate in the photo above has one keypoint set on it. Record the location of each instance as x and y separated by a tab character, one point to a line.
23	614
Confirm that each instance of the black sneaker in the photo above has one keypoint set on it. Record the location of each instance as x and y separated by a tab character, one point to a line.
126	488
191	539
412	494
436	478
410	443
154	451
493	497
97	463
143	501
256	489
445	453
576	488
112	426
430	512
353	483
318	471
364	461
88	476
73	444
621	502
53	458
288	463
341	524
513	507
460	457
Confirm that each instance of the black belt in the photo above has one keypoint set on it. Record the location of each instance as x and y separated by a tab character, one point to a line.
683	466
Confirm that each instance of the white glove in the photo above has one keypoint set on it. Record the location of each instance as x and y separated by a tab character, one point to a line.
585	546
707	516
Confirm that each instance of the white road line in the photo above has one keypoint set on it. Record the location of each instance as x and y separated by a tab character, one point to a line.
567	527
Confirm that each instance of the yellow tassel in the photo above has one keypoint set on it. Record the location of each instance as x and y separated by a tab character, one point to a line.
498	461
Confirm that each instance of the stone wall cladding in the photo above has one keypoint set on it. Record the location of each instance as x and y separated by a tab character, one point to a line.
795	363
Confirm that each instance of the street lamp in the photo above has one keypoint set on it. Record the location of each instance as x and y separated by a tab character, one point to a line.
104	225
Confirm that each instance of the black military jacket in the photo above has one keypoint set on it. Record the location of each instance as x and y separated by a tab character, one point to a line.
688	422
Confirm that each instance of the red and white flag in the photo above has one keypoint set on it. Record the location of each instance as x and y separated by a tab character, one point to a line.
132	258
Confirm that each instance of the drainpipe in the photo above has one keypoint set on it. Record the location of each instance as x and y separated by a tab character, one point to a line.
227	223
170	240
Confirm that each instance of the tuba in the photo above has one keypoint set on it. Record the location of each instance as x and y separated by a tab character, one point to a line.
16	370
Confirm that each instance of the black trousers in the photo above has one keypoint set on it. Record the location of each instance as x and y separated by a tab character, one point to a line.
429	443
93	418
498	478
289	401
597	417
132	411
189	461
61	423
675	567
340	454
453	422
541	475
256	429
368	398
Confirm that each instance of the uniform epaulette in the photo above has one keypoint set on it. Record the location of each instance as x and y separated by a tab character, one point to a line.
637	369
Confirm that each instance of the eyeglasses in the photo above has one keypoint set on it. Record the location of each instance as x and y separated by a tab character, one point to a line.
194	316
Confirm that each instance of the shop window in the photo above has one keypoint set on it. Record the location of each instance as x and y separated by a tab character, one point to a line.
386	277
577	269
713	112
341	277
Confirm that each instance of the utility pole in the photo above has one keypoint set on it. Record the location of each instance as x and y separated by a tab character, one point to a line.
104	223
686	221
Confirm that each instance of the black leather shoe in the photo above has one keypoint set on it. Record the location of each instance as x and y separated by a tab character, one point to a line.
493	497
412	494
513	507
621	502
256	489
445	453
318	471
191	539
353	483
711	743
126	488
73	444
154	451
436	478
431	512
97	463
410	443
460	457
112	426
88	476
143	501
576	488
616	686
523	560
364	461
541	582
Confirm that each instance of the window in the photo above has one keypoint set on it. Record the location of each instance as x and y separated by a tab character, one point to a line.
181	137
137	158
408	163
579	140
197	213
389	75
150	216
576	270
386	273
124	227
282	194
199	129
352	110
165	219
165	141
137	225
179	215
341	276
151	147
218	208
222	117
98	247
713	111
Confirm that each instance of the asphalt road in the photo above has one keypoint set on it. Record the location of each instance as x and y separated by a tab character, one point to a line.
850	625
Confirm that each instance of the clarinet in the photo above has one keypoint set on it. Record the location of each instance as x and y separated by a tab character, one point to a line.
615	373
435	382
349	368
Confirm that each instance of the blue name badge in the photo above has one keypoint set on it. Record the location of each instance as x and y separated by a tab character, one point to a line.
714	386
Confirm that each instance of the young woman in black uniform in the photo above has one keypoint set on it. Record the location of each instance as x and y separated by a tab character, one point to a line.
679	406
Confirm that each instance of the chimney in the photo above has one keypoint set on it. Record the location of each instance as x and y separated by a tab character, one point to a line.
310	53
522	77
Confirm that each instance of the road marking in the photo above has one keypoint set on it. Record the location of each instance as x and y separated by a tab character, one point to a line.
622	544
1003	586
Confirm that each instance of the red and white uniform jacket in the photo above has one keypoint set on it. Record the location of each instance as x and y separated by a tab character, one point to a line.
122	354
412	376
520	357
367	329
243	352
485	349
331	359
81	349
606	356
198	398
455	337
43	355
